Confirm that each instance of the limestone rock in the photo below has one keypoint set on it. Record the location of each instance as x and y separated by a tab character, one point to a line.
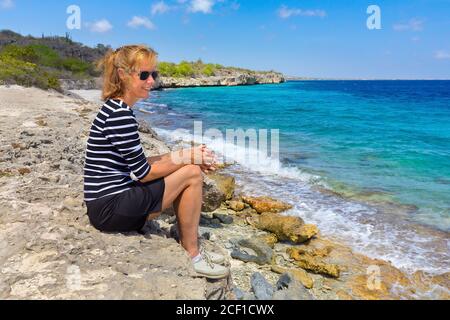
286	227
266	204
314	264
290	289
212	195
299	274
226	184
236	205
270	239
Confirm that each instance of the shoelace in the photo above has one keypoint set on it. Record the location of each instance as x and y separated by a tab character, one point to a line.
206	257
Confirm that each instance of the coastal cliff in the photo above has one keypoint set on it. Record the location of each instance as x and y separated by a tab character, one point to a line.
231	78
49	250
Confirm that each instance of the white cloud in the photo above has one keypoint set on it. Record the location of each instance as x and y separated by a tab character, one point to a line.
6	4
442	55
137	22
204	6
100	26
160	8
285	12
411	25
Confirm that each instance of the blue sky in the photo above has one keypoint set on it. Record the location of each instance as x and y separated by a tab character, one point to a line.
317	38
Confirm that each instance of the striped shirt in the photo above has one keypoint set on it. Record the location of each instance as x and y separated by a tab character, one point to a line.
113	152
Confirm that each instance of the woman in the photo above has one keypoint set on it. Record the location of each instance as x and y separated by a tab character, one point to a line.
116	202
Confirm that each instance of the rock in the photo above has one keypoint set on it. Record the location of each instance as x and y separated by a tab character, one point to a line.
290	289
269	239
225	219
212	196
313	264
221	78
226	184
24	171
238	293
286	228
299	274
236	205
145	128
262	289
263	254
266	204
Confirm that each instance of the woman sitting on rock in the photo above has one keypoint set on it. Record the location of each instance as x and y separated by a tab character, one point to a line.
123	189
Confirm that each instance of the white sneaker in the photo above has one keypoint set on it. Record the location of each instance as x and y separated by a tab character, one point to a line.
214	257
208	269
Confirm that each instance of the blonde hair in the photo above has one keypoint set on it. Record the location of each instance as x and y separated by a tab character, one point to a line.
127	58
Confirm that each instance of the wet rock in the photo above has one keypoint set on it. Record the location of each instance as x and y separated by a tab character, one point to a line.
286	228
266	204
262	289
262	254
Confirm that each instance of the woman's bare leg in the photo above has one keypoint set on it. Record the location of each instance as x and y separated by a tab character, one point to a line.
183	189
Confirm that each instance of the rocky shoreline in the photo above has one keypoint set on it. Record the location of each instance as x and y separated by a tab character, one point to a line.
231	79
48	249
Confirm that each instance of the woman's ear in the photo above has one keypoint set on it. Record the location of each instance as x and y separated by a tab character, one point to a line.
121	74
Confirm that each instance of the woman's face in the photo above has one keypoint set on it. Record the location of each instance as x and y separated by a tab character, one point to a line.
137	88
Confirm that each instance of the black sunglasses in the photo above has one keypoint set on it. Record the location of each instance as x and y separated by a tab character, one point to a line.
143	75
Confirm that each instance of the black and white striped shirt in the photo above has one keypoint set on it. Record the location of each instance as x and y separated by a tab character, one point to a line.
113	152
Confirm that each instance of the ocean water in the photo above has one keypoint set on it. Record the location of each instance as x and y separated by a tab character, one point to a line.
368	161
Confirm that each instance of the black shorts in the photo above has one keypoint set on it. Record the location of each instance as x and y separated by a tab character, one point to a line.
129	210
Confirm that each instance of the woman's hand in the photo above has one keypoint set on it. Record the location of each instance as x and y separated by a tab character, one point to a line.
201	156
210	160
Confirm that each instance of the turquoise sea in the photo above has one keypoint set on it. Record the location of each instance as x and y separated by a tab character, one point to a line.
368	161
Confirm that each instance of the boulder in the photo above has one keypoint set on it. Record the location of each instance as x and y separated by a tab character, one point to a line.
287	227
226	184
212	195
266	204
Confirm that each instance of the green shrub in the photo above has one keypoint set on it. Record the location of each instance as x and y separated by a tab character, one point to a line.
76	65
15	71
47	56
13	51
209	70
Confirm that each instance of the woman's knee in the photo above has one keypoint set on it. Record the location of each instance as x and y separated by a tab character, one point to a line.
195	173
